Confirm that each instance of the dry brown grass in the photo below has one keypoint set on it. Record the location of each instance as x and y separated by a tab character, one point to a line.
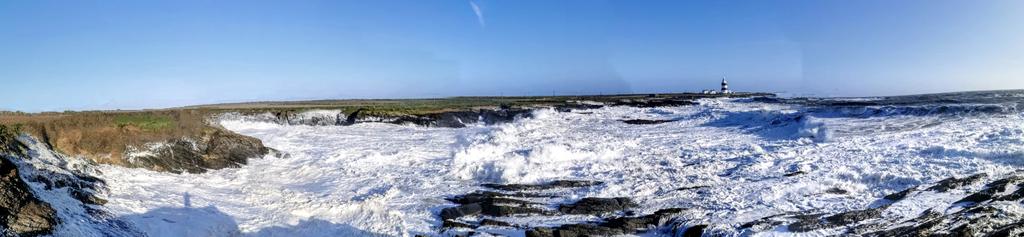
104	136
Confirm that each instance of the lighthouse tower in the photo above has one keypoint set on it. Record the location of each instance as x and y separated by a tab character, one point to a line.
725	87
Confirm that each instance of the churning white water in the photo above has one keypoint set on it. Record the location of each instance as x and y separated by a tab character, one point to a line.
383	179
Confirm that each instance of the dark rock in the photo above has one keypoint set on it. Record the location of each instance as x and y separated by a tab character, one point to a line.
353	117
668	211
456	224
649	103
646	121
953	182
1001	184
631	224
794	174
450	119
807	216
215	149
836	190
497	209
492	222
570	106
21	212
594	206
836	220
977	197
993	189
689	188
510	201
899	195
762	224
1015	195
549	185
573	230
460	211
695	231
1013	229
540	232
482	196
927	220
504	115
808	225
87	197
851	217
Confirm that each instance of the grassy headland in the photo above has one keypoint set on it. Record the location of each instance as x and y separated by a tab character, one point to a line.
104	136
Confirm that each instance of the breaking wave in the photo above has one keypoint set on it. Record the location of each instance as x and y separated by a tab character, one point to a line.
526	151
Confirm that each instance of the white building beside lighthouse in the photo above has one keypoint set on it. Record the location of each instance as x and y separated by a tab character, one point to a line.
725	87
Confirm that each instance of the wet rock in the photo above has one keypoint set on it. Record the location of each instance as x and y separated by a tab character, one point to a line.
573	230
492	222
491	204
456	224
762	224
1015	195
646	121
594	206
549	185
808	225
897	196
215	149
499	209
481	196
570	106
21	212
993	189
631	224
977	197
87	197
450	119
836	220
854	216
503	115
953	182
460	211
695	231
1013	229
919	226
541	232
837	191
668	211
649	103
794	174
689	188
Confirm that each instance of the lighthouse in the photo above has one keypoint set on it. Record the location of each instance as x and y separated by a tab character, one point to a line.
725	87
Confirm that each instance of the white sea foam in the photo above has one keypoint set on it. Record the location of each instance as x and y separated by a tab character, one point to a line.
388	179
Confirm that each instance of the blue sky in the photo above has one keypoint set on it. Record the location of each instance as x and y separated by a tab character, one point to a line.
58	55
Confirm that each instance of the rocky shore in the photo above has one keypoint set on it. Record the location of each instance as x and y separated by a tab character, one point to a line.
191	141
477	212
449	119
21	212
498	208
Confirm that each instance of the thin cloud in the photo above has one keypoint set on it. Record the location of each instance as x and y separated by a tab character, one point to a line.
479	13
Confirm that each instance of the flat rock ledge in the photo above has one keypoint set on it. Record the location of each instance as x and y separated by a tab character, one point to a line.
982	212
483	209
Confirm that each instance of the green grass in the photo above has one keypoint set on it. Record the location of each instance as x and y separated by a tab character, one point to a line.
146	122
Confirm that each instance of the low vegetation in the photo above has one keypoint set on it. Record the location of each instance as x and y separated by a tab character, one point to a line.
104	136
146	122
